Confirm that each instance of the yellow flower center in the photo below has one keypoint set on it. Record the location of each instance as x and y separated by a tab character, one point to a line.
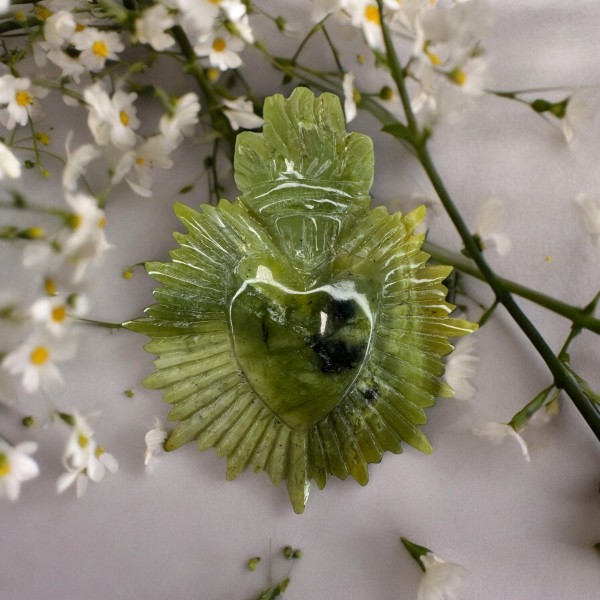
79	27
372	14
34	233
39	356
83	440
215	1
99	451
23	98
458	76
59	314
101	222
124	117
4	465
140	160
50	287
99	48
42	13
74	221
219	44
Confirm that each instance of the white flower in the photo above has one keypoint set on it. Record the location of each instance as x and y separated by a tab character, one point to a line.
155	439
221	48
349	103
9	163
203	13
472	77
4	6
21	99
16	466
97	47
112	120
76	163
182	122
59	29
461	367
85	241
35	360
589	211
151	27
52	313
152	154
83	458
365	15
489	223
240	113
441	578
581	112
496	432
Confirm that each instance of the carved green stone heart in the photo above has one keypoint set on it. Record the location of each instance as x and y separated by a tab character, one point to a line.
297	330
300	350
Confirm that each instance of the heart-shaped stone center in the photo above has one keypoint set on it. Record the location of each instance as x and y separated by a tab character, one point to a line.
300	350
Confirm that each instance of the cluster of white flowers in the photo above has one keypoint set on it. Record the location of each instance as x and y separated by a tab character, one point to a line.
84	459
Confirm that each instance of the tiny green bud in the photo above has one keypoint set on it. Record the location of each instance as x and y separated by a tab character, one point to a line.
29	164
129	393
67	418
127	274
28	421
360	59
287	552
541	106
186	189
386	93
253	562
297	553
281	23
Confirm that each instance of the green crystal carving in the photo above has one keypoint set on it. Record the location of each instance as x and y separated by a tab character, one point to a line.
297	330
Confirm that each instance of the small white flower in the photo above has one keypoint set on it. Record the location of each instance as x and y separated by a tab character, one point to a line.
589	211
581	112
16	466
441	578
472	78
153	153
365	15
35	360
97	47
9	164
155	439
496	432
461	367
85	241
221	48
76	163
489	223
349	103
182	122
112	120
59	29
151	27
240	113
21	99
83	458
53	313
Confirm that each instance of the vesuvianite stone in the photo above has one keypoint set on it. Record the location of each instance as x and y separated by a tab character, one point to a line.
297	329
300	349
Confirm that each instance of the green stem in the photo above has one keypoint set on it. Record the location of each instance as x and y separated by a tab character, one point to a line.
562	377
218	119
105	324
577	315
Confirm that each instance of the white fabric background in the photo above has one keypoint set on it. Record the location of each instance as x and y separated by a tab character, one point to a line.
524	531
